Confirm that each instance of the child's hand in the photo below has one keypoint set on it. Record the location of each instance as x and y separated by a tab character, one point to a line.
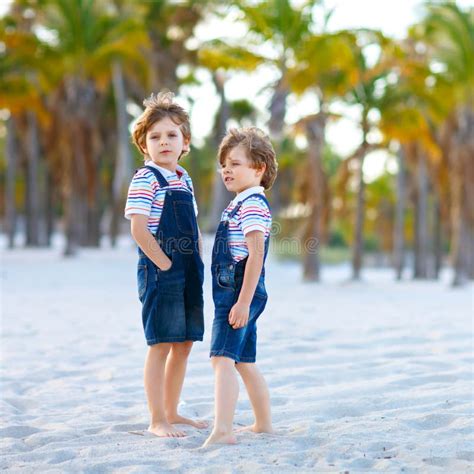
166	266
239	315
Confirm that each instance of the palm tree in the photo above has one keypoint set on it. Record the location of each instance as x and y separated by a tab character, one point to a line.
90	42
19	67
365	93
449	33
411	109
221	58
399	229
285	27
324	65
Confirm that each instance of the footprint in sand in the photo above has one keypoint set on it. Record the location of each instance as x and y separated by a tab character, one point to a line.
20	404
126	428
18	431
465	455
39	440
437	461
380	446
417	380
61	455
361	463
431	422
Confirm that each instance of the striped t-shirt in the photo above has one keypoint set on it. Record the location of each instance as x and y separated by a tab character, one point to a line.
145	196
253	214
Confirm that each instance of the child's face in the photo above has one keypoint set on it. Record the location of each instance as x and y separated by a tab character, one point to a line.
165	143
237	172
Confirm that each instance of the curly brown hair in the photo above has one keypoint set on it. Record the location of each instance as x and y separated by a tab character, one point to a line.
158	107
258	149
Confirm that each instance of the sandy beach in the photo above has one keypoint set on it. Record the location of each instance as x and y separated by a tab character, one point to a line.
364	377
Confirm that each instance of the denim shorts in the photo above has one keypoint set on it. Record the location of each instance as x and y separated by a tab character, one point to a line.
237	344
172	309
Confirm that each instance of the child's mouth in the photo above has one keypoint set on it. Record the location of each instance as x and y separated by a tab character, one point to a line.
228	180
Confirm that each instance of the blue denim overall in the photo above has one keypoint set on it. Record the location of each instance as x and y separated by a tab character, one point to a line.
227	278
172	300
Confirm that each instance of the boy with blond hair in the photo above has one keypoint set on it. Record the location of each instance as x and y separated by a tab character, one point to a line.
249	166
162	210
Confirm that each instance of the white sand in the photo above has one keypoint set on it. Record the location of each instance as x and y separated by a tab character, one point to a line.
370	376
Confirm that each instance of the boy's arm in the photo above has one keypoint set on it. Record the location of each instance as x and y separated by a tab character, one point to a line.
239	314
147	242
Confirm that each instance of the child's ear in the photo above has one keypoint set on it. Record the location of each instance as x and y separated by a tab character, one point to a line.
186	146
261	170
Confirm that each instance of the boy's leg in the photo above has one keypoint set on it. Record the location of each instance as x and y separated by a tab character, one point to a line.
174	377
259	397
226	393
154	378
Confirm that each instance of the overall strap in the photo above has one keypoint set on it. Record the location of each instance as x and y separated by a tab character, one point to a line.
161	179
239	204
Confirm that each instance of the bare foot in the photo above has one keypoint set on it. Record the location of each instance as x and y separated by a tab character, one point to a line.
257	429
220	438
165	430
181	420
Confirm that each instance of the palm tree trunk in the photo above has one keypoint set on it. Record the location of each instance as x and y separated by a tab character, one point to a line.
359	221
457	223
470	249
399	229
358	244
220	195
421	222
11	152
123	163
75	209
275	125
315	133
459	263
33	189
71	214
50	202
93	208
462	215
416	237
437	238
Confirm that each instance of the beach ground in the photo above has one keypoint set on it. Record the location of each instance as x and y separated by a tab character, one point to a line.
368	376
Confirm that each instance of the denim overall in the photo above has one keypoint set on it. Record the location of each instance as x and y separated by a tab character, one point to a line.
172	300
227	278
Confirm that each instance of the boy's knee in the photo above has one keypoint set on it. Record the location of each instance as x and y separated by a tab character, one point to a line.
221	361
244	366
182	349
160	350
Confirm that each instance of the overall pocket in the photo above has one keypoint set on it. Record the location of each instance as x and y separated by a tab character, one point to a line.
142	280
226	277
185	217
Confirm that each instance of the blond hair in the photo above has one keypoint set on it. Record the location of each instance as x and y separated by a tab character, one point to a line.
258	149
158	107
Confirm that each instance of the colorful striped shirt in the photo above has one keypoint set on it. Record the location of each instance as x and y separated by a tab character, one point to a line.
147	197
253	214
